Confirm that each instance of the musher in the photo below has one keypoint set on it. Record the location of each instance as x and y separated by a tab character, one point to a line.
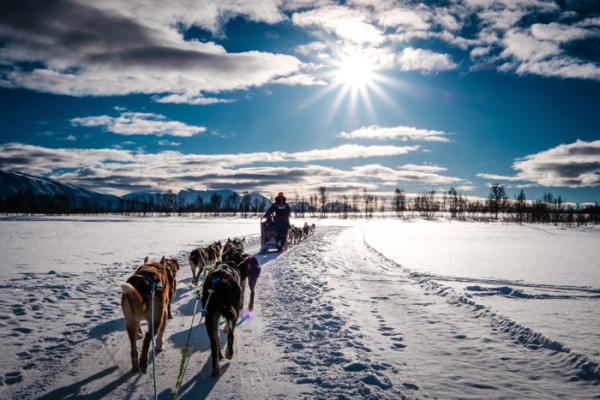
282	211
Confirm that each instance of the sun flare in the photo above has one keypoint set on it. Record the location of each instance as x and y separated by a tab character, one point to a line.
355	71
357	78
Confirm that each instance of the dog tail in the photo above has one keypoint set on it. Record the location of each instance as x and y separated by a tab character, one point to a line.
133	297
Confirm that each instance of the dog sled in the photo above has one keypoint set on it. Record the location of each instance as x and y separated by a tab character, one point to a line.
268	235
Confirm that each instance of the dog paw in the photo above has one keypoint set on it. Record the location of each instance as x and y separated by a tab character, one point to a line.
229	354
143	366
215	372
220	355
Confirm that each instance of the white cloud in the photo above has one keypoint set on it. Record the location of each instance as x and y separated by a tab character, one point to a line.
524	47
573	165
347	23
299	79
556	32
396	132
168	143
562	67
347	151
311	48
136	123
68	138
43	160
122	47
423	167
22	157
541	53
411	174
411	59
191	99
403	18
119	171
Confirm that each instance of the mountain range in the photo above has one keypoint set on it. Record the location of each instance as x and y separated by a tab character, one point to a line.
17	188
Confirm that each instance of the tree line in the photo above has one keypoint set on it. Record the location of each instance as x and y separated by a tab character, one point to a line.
497	206
29	202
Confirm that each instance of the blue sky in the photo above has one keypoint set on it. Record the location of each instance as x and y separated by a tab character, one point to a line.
273	95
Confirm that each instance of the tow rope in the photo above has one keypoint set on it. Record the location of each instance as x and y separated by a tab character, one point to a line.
187	348
152	291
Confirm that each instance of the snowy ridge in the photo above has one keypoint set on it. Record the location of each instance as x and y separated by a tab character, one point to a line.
12	183
503	287
581	366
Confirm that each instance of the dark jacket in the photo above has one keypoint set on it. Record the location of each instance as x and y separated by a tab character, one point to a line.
282	212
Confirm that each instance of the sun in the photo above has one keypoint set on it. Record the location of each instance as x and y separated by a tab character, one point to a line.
355	71
357	77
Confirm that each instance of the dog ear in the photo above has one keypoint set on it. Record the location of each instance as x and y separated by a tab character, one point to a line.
163	260
146	260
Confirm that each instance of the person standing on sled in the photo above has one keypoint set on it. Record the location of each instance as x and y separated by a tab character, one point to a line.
281	209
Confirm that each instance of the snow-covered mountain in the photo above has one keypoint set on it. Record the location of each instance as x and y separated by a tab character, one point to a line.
302	206
223	198
14	184
17	187
191	198
256	201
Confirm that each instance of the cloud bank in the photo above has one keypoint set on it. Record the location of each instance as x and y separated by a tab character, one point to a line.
136	123
118	171
573	165
397	132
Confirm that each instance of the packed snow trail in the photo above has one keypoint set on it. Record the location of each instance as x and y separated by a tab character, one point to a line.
333	319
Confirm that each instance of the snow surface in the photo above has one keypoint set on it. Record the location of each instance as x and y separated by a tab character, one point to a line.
78	244
359	310
543	276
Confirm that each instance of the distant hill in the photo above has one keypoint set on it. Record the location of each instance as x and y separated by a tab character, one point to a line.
28	193
302	206
41	192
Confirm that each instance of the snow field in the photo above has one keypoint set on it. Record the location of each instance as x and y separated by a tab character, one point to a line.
338	316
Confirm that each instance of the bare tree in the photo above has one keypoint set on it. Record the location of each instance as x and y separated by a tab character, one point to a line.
355	203
496	199
399	202
452	202
215	202
323	199
368	201
345	206
520	206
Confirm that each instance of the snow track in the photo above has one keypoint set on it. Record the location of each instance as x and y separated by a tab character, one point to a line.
333	319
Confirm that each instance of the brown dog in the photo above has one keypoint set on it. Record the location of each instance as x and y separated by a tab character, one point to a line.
203	256
249	268
172	267
136	304
221	295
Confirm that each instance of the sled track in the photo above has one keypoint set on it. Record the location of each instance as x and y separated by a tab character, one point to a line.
355	324
579	366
